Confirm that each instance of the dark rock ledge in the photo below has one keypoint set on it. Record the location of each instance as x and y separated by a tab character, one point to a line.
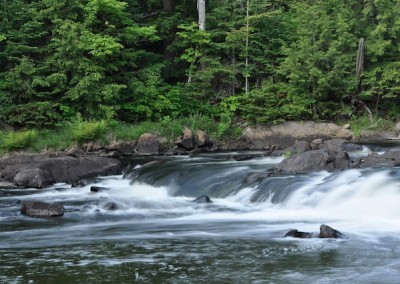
39	171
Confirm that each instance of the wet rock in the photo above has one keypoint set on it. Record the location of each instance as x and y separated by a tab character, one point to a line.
35	178
255	177
98	188
297	234
202	199
314	161
41	209
242	158
39	171
111	206
8	185
373	160
148	144
328	232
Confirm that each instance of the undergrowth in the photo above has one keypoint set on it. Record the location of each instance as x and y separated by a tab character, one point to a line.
79	132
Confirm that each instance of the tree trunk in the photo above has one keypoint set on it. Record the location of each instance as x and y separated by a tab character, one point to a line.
201	7
355	100
168	6
247	49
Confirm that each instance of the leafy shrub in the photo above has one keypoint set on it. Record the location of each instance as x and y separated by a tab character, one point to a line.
359	124
18	140
83	131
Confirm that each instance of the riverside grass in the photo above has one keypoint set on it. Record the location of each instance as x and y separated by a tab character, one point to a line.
107	132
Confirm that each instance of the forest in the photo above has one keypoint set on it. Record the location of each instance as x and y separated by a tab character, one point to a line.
152	60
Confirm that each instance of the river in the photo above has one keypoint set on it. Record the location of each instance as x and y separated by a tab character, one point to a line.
158	235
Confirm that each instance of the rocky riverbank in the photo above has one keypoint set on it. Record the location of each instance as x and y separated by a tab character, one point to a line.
308	147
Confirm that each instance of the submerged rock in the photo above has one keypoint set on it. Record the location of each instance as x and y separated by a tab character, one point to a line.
41	209
111	206
94	188
202	199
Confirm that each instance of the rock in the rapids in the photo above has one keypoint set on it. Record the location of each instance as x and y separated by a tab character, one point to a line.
35	178
41	209
314	161
325	232
94	188
297	234
202	199
328	232
111	206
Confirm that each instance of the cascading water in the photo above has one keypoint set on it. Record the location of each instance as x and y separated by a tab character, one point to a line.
156	234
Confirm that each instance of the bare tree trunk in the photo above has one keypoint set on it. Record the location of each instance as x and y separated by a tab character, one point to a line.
247	49
360	64
355	100
201	7
168	6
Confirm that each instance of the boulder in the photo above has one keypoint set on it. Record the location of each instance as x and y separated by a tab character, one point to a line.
387	159
148	144
186	140
334	145
202	199
316	143
285	134
325	232
297	234
314	161
110	206
8	185
75	152
203	140
298	148
39	171
94	188
35	178
41	209
328	232
124	149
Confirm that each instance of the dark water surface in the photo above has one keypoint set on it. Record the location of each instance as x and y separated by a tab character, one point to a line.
157	235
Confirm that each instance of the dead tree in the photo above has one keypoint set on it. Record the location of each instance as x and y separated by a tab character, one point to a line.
356	103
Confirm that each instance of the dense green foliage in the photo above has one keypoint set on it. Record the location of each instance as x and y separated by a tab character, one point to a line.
134	61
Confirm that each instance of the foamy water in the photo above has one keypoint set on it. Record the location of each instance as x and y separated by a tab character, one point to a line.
157	234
